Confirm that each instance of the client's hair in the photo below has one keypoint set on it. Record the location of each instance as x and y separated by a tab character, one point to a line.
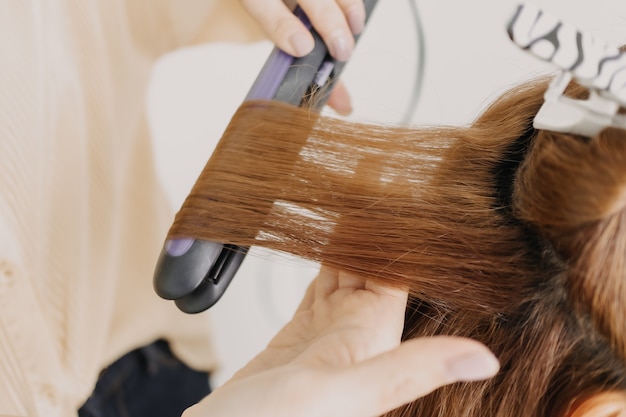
512	236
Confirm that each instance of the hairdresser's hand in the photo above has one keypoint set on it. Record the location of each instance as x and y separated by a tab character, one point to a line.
337	21
341	355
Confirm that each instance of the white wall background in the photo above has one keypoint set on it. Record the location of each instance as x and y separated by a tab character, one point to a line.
469	61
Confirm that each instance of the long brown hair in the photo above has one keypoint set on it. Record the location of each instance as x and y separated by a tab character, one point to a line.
509	235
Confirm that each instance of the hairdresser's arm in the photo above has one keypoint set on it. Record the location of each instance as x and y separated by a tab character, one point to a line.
341	355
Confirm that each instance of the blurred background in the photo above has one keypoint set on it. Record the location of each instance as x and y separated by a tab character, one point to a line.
467	60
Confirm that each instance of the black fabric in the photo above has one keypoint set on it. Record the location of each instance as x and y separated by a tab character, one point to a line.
149	381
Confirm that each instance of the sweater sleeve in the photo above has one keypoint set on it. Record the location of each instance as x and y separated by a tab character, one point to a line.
16	397
161	26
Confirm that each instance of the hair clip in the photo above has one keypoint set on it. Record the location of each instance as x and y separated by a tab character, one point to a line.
593	63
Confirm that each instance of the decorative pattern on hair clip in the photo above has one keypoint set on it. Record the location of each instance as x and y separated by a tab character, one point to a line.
593	63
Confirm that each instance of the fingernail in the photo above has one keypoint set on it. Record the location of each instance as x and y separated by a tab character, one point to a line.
301	43
356	19
473	366
340	47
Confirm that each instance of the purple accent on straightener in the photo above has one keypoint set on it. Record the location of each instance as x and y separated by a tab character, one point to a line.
178	247
272	74
324	73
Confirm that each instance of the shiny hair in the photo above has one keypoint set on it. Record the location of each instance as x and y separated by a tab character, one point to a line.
509	235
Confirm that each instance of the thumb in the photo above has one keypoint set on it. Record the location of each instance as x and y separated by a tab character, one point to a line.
412	370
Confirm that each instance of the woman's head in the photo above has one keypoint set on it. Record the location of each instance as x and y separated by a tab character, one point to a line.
506	234
563	347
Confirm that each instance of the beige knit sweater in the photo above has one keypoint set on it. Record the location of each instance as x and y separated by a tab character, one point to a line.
82	217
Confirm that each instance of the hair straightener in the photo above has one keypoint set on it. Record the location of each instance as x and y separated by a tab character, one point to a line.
195	273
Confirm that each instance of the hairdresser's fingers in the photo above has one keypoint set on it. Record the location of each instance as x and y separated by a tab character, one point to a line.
347	280
336	21
355	13
281	26
389	315
408	372
399	294
340	100
326	282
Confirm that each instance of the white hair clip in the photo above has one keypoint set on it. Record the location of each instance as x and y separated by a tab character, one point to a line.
594	64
